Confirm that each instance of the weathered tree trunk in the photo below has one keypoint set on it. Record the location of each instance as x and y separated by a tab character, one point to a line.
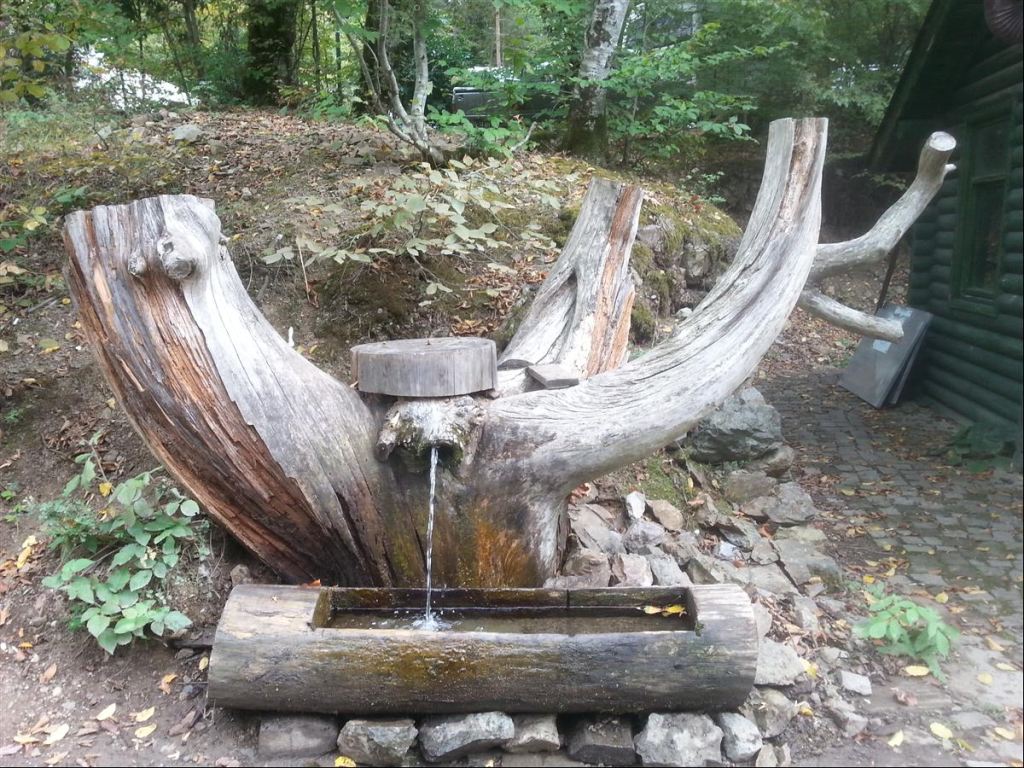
587	133
283	455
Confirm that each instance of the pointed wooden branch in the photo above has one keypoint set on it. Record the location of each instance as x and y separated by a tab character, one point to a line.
876	244
617	417
276	450
580	316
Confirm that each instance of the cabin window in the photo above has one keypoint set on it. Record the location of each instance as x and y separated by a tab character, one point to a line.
984	197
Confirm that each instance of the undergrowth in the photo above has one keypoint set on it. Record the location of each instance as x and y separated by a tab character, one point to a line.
115	559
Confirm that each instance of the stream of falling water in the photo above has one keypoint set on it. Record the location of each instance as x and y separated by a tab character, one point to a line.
429	620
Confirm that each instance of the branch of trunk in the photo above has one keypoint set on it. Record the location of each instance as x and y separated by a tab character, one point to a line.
877	243
580	316
849	318
573	435
276	450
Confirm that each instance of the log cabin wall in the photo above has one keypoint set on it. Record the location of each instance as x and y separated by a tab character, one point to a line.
966	258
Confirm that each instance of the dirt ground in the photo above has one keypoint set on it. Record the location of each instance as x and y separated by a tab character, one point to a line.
53	400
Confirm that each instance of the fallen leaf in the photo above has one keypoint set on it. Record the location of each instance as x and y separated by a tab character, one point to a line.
10	749
915	670
56	733
107	712
904	697
985	678
1006	667
26	552
185	723
47	676
144	731
1006	733
56	758
993	645
24	738
896	740
165	682
941	731
144	715
344	762
204	663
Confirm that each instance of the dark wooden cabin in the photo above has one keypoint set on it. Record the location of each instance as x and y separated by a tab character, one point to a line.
965	76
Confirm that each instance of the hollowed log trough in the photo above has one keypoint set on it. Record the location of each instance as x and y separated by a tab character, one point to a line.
281	648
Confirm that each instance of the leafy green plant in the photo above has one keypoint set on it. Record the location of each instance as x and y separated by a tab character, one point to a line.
115	560
905	628
498	138
979	447
456	212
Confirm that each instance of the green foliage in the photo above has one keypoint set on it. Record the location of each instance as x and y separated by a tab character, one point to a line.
980	447
115	559
24	60
905	628
656	107
498	138
839	59
453	212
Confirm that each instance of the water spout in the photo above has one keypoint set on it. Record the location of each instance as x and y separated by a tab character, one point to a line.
429	621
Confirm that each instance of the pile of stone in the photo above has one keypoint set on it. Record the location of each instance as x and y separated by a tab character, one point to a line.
496	738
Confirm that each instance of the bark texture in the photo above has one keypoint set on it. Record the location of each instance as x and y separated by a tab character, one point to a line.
286	457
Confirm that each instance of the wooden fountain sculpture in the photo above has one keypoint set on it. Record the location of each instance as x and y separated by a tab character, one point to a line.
304	469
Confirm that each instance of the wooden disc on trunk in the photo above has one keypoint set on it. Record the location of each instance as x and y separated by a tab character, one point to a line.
442	367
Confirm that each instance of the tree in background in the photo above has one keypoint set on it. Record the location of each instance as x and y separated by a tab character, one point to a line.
840	58
271	38
407	123
587	131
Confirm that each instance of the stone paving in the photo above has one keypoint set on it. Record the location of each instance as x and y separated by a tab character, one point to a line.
961	533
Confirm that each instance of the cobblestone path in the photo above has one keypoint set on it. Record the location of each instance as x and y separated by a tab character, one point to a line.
961	533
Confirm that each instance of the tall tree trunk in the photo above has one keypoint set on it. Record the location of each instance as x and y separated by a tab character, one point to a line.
317	74
587	133
499	57
271	26
193	37
286	457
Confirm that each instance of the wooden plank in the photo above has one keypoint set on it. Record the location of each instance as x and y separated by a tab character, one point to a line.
553	375
441	367
982	377
282	661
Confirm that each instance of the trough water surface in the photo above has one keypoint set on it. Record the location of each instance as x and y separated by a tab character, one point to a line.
580	621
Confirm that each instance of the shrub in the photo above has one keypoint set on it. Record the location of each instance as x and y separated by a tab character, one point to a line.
115	560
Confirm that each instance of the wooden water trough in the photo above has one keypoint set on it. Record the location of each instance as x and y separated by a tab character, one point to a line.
351	651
